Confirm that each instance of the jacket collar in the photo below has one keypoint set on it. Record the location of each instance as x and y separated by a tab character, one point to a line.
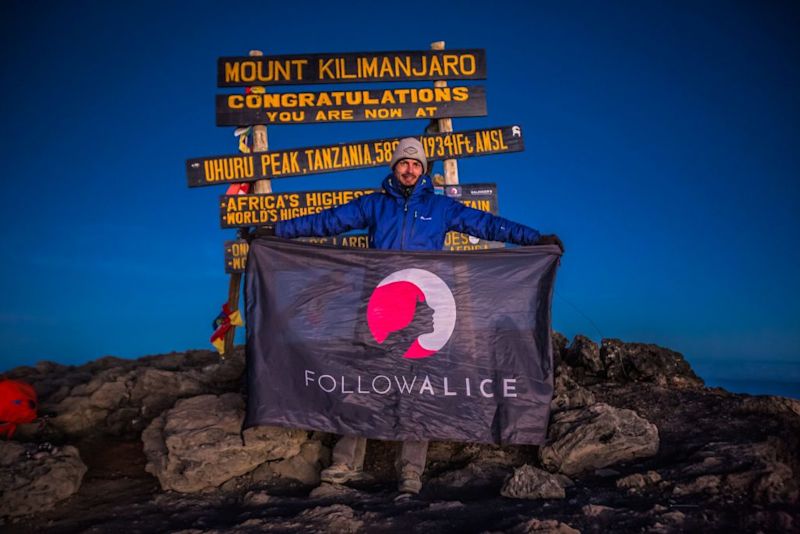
394	189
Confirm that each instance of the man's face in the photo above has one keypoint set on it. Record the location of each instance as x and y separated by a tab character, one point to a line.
408	171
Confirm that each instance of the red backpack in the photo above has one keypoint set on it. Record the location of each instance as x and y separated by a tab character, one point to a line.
18	405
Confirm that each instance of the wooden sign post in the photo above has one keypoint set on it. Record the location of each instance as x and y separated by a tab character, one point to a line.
446	125
258	108
219	170
260	144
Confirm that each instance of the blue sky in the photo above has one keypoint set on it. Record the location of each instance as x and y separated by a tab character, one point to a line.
661	145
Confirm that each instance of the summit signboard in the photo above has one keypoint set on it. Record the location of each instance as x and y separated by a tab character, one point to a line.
307	69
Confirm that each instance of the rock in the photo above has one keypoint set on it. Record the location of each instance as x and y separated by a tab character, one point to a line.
583	356
256	498
639	480
559	343
598	511
531	483
639	362
675	518
334	518
34	478
769	521
473	475
770	404
120	397
442	506
109	395
328	491
595	437
605	472
77	416
155	390
548	526
197	444
305	466
756	470
569	395
702	484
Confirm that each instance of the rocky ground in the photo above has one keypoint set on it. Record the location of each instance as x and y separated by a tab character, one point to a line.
636	444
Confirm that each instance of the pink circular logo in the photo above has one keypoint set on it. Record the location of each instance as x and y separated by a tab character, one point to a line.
393	303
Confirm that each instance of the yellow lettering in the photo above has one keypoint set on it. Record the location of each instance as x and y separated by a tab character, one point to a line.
386	68
343	69
232	72
252	101
402	64
460	94
282	70
436	67
370	99
271	100
300	64
468	59
293	164
387	98
450	64
325	69
383	113
442	94
235	101
369	67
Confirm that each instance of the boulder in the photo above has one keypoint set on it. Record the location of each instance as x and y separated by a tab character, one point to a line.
639	362
639	481
197	445
333	518
569	395
596	436
34	478
770	404
475	475
583	356
531	483
757	471
559	343
120	397
303	467
546	526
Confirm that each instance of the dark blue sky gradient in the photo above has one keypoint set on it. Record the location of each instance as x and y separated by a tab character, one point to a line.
662	146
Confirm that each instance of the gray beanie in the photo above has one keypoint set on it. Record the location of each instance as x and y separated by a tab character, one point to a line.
410	148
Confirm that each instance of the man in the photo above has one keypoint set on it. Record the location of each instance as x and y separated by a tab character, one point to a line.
407	215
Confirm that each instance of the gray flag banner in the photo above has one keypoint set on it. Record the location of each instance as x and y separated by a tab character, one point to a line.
401	345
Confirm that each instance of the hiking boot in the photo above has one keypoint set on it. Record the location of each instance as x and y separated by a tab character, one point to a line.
340	474
409	482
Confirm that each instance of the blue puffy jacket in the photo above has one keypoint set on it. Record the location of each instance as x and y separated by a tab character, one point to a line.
418	222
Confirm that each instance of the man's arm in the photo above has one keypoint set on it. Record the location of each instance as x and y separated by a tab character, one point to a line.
332	221
487	226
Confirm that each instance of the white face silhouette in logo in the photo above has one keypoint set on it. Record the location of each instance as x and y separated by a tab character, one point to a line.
393	303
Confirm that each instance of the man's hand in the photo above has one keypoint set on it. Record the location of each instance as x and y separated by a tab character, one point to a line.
550	239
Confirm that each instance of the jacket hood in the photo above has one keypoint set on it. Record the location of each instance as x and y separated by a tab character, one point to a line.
393	188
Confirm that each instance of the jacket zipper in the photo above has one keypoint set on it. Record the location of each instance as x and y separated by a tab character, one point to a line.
413	223
403	232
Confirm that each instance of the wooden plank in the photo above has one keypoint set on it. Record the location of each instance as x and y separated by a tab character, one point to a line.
220	170
394	66
237	211
351	106
481	196
236	255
